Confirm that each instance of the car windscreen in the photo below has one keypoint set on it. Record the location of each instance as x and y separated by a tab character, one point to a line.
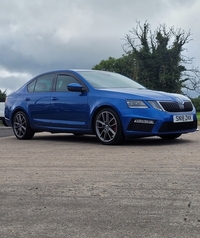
103	79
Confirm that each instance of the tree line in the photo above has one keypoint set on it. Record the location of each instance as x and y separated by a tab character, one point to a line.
2	95
196	102
155	59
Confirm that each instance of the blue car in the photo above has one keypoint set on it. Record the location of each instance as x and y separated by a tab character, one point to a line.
109	105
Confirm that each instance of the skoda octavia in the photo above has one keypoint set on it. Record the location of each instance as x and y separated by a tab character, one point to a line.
109	105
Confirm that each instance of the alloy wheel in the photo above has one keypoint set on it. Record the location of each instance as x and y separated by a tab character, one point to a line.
108	127
21	126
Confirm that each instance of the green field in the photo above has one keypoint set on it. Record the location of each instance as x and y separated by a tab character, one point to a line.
198	116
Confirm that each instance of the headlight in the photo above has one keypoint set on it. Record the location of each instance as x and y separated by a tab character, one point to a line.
136	104
155	105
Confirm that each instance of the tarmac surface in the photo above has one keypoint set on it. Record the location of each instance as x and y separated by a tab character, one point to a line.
5	131
67	186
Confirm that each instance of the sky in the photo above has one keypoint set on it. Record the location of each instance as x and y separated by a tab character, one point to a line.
42	35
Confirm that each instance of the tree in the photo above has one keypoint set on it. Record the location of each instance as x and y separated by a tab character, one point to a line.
2	96
155	59
196	102
122	65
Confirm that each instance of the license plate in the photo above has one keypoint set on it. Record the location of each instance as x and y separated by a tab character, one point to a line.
182	118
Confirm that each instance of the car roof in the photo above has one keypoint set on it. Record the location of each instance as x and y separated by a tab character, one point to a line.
68	70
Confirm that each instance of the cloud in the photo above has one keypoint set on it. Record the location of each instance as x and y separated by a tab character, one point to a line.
8	79
42	35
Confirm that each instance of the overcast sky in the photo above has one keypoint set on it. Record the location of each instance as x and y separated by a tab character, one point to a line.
42	35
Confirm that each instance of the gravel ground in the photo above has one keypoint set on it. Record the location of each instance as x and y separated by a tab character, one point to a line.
67	186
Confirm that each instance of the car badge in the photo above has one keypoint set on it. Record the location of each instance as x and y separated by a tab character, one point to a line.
179	101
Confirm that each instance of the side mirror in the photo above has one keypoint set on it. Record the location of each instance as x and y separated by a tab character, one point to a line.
75	87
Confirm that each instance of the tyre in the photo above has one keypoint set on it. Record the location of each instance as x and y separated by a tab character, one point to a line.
21	127
170	137
108	127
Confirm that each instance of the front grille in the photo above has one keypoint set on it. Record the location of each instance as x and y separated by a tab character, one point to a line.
170	126
140	126
188	106
177	107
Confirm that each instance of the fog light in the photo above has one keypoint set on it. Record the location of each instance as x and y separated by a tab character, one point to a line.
143	121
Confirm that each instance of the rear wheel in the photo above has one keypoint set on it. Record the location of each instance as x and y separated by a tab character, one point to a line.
108	127
21	127
170	137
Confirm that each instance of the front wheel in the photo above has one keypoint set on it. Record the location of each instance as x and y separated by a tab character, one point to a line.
108	127
170	136
21	127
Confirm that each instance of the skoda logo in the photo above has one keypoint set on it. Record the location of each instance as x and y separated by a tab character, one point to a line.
179	101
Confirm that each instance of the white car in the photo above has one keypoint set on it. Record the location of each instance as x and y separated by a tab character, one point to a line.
2	107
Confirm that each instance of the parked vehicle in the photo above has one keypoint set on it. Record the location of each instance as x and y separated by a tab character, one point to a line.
109	105
2	107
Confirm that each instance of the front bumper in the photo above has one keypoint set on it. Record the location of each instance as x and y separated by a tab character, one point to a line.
155	122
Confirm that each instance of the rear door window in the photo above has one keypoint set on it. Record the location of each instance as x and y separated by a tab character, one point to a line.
42	84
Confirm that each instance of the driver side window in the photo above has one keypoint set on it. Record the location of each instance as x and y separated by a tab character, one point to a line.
62	82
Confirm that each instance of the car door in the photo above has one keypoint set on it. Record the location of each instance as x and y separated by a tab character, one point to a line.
39	100
69	109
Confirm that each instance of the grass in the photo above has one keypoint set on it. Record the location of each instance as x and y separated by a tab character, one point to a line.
198	117
1	124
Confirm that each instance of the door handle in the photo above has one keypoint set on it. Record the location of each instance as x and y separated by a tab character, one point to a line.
27	99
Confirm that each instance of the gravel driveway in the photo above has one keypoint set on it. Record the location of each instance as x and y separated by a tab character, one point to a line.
66	186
